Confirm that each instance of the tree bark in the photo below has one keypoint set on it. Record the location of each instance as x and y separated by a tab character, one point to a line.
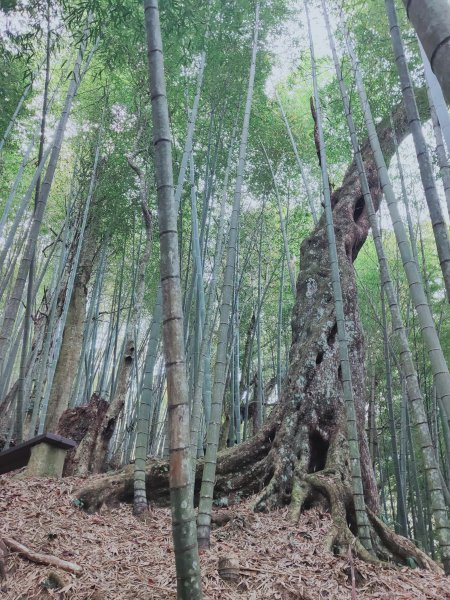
83	424
345	376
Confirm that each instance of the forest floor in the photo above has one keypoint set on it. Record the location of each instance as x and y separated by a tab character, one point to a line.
125	558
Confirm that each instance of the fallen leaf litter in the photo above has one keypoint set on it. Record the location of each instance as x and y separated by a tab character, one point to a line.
123	557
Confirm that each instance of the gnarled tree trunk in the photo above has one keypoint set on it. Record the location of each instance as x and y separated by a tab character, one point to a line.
300	456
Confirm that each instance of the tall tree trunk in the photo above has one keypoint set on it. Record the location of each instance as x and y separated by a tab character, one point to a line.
183	517
431	20
308	424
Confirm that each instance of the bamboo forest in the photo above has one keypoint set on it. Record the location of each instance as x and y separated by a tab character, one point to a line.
224	299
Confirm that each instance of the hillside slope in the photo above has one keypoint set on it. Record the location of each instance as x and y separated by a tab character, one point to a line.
123	558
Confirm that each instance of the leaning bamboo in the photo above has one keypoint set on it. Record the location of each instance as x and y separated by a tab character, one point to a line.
416	290
15	298
423	157
406	359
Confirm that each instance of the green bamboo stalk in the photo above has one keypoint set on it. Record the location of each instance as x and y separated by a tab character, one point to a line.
312	208
362	520
15	298
431	20
408	369
183	518
212	439
282	224
423	158
418	296
204	371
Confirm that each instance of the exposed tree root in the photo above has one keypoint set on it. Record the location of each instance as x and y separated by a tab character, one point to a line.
239	474
401	546
331	484
329	487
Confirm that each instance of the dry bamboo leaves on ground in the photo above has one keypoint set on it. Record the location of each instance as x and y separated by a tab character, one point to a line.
123	557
